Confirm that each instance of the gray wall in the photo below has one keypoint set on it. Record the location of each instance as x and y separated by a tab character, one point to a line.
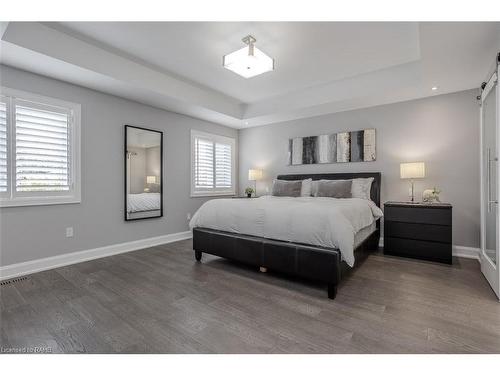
35	232
153	161
137	170
442	130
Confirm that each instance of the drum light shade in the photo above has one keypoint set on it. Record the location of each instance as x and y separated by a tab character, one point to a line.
151	179
254	174
412	170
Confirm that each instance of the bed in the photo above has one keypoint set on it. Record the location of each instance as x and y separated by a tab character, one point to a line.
320	239
143	205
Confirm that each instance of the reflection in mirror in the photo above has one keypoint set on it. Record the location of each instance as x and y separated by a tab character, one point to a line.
143	173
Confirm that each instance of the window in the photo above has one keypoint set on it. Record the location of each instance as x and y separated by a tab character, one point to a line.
39	150
212	164
3	148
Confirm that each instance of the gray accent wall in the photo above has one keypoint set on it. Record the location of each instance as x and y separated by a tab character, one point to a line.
153	161
442	131
137	172
28	233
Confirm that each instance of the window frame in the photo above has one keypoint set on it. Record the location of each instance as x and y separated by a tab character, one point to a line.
215	138
4	99
17	199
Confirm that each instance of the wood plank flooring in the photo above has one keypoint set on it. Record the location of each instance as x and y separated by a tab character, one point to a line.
159	300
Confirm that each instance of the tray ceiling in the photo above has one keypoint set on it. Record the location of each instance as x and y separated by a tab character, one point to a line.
320	67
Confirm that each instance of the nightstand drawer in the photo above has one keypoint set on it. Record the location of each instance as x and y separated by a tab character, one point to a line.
441	216
434	251
417	231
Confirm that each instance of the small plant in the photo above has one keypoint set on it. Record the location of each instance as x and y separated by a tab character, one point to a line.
249	191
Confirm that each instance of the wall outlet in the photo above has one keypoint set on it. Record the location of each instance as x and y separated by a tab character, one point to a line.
69	232
188	216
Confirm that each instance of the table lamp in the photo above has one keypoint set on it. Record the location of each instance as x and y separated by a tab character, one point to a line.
412	171
255	175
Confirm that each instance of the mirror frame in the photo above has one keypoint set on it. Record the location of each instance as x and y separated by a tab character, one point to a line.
125	173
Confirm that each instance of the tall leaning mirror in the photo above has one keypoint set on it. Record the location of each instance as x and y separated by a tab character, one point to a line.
143	173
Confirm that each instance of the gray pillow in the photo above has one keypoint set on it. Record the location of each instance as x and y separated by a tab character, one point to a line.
286	188
334	189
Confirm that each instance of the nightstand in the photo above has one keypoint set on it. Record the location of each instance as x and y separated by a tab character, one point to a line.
418	230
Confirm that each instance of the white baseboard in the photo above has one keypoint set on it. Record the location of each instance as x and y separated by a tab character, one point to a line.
25	268
467	252
457	251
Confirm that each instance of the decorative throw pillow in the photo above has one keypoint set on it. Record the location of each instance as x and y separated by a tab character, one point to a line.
283	188
314	186
334	188
306	189
361	188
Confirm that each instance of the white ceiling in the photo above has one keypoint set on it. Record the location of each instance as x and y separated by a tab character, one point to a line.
306	54
320	67
142	138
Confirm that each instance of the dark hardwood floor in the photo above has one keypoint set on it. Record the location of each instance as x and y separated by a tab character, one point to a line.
160	300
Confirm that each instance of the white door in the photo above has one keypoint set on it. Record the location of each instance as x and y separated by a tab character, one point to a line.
490	230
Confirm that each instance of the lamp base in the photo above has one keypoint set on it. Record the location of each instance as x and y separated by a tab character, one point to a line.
411	192
411	198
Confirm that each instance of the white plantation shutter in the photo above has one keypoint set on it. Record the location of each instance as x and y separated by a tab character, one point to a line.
4	174
42	148
39	150
223	166
204	164
213	164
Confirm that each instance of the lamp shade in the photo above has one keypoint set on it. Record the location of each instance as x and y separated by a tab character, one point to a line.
151	179
254	174
412	170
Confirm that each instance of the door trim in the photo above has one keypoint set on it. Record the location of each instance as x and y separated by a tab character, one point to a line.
490	270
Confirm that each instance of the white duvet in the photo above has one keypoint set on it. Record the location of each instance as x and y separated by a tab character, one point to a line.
318	221
143	202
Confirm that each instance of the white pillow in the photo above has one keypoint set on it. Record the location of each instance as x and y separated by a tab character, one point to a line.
306	190
360	188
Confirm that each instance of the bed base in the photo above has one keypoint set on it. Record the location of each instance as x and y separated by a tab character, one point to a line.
305	261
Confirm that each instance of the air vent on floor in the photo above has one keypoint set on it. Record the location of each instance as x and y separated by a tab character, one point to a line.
12	281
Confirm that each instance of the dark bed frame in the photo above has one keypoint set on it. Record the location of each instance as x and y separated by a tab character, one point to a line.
307	261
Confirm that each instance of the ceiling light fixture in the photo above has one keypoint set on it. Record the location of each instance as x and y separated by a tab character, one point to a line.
434	88
249	61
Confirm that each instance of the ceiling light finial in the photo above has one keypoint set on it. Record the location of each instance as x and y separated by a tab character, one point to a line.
248	61
249	40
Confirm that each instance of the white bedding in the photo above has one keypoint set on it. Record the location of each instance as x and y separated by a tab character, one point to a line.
318	221
143	202
364	233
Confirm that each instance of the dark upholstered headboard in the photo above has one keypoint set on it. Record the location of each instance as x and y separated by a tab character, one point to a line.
374	193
